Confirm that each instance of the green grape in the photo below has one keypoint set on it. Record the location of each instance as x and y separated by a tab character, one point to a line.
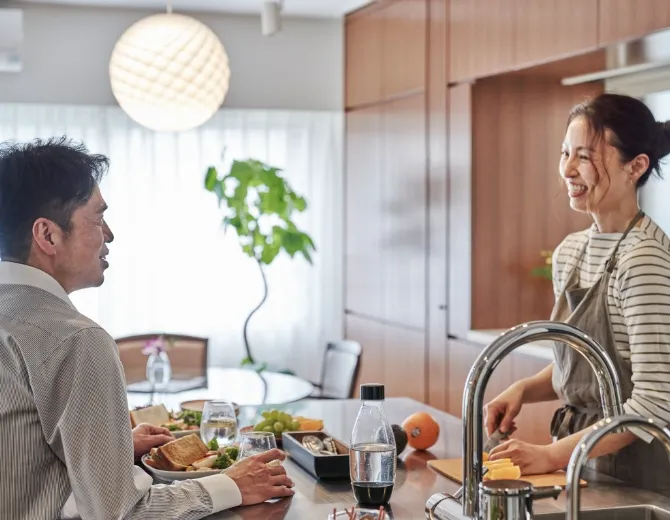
284	417
273	415
279	427
266	422
295	426
268	429
266	415
258	427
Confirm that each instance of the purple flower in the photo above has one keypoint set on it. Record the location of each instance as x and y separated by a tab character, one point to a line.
154	346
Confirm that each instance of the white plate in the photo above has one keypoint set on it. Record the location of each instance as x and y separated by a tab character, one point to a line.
177	475
183	433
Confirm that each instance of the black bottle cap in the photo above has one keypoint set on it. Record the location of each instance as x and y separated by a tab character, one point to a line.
372	392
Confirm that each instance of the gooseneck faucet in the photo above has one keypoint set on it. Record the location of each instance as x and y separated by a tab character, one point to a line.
488	360
581	452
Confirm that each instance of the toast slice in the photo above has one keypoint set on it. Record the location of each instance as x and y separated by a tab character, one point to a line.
156	415
177	455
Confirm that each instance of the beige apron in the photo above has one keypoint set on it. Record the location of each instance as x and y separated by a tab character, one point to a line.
640	464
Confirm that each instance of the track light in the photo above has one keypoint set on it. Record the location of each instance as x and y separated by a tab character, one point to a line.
271	17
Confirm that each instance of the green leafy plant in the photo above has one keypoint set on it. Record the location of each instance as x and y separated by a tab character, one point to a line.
259	206
544	271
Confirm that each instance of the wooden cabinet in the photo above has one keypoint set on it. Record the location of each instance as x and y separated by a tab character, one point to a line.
403	211
363	58
404	47
629	19
550	29
481	38
364	291
394	356
385	51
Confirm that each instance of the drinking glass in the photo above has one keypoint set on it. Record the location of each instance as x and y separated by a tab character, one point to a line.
253	443
218	422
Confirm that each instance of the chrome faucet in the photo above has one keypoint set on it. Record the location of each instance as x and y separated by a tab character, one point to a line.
581	452
473	399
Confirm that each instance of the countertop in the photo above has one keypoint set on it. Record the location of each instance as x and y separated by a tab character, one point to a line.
415	482
538	349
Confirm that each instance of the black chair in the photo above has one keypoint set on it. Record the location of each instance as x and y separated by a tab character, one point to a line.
341	364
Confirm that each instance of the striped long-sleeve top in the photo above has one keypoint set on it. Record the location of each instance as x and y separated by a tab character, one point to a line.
639	304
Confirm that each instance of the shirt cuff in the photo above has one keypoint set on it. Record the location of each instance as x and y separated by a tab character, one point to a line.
222	489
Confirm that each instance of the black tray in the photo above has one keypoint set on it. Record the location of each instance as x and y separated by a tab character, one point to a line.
331	467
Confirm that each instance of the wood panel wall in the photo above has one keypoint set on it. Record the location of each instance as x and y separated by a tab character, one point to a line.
387	194
519	204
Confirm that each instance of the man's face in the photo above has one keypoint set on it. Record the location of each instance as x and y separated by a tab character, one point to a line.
81	259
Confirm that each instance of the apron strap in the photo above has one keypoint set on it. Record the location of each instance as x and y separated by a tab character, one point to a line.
612	260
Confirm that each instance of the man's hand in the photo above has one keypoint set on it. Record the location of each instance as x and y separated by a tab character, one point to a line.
259	482
147	436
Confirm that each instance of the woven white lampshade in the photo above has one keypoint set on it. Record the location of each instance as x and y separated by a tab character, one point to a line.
169	72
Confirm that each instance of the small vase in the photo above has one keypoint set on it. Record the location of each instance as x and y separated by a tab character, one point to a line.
159	370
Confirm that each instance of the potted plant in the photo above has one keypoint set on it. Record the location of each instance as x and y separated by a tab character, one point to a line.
259	205
545	270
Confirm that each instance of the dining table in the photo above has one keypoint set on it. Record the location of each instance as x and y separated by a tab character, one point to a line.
239	385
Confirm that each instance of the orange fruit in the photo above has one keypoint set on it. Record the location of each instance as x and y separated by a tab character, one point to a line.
422	430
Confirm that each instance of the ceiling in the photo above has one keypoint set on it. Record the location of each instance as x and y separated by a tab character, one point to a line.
309	8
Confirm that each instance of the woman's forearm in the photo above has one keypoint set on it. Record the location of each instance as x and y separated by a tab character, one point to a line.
561	451
538	388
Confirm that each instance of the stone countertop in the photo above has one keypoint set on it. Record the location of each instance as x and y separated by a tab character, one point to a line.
415	482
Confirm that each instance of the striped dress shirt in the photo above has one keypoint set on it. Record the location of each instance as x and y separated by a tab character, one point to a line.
638	300
65	435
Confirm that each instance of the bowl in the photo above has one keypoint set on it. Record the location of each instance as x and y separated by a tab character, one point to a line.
197	405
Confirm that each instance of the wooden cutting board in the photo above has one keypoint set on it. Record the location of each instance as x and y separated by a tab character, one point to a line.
453	470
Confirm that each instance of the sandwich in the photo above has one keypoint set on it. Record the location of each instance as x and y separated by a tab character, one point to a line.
178	455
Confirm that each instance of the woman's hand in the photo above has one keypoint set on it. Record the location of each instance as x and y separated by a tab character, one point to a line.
532	459
501	412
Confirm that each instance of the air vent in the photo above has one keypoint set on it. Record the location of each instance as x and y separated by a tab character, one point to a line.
11	39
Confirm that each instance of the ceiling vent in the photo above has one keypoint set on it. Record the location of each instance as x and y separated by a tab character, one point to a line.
11	39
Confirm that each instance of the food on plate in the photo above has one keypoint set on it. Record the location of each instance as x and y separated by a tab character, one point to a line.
422	430
277	422
183	421
189	453
158	415
400	438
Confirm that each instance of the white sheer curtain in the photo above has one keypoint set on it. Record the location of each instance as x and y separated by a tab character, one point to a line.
172	267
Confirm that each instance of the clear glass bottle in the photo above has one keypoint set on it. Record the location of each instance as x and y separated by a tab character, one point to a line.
159	370
372	452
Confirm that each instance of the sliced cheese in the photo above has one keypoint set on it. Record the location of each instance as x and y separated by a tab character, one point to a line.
491	463
504	473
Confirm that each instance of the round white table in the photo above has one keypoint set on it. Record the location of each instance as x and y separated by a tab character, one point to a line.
244	387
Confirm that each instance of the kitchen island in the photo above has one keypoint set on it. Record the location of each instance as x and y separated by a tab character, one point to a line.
415	482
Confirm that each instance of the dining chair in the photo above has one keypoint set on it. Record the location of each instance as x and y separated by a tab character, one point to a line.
341	364
187	355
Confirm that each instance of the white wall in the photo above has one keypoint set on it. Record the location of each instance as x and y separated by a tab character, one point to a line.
67	50
655	195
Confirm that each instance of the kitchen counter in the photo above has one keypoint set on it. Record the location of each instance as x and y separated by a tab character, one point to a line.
538	349
415	482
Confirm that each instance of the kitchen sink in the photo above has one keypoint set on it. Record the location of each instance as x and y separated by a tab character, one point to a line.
616	513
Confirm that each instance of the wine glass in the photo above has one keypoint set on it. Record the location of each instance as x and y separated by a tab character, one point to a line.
218	422
253	443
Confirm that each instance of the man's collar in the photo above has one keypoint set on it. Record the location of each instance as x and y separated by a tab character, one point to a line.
12	273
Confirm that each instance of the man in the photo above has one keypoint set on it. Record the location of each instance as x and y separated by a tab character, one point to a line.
66	440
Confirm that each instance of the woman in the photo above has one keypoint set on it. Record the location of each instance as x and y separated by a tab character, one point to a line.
613	282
